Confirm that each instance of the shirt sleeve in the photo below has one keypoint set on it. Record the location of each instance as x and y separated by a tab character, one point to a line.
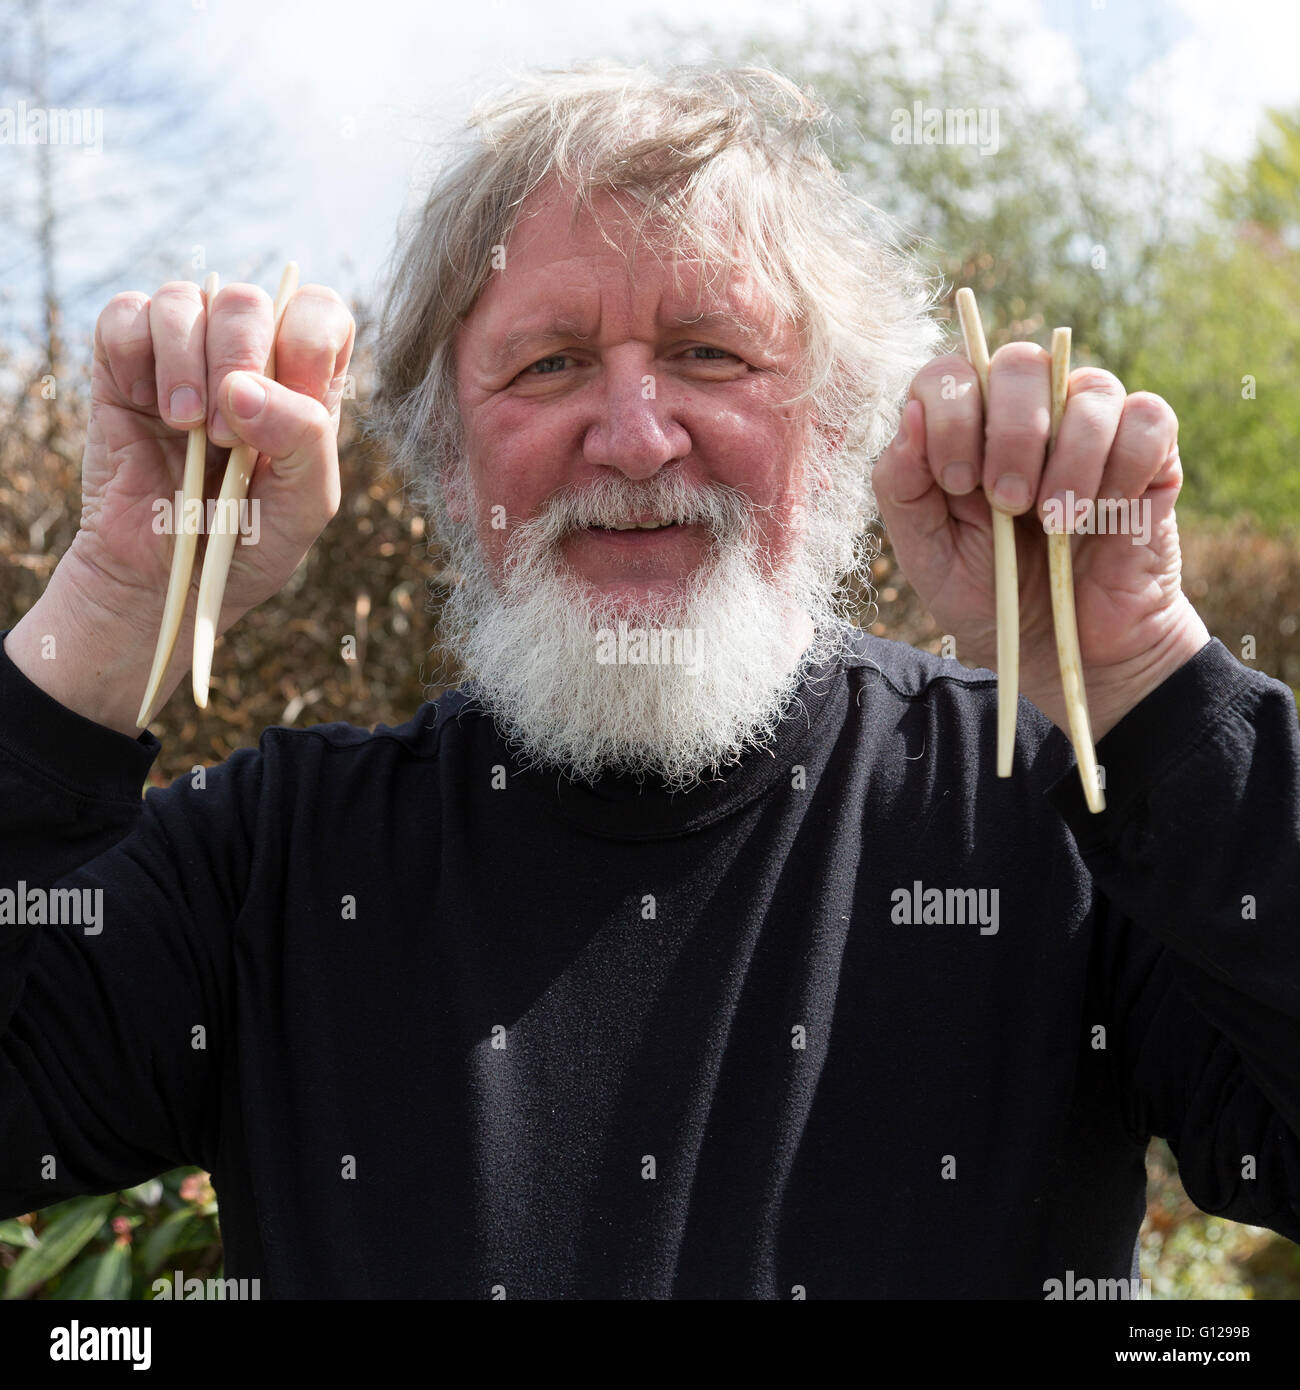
1197	861
116	915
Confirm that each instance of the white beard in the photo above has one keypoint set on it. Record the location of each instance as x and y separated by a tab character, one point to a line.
532	651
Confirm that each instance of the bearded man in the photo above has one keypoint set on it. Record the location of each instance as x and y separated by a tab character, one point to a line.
691	947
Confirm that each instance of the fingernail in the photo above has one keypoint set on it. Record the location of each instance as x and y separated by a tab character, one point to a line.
246	397
1011	493
186	405
220	431
144	392
958	477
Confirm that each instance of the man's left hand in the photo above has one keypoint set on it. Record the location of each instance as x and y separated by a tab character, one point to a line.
1136	626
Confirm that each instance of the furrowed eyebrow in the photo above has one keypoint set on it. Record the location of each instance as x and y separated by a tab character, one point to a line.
520	343
724	321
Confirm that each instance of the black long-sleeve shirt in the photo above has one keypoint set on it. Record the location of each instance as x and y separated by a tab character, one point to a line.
439	1027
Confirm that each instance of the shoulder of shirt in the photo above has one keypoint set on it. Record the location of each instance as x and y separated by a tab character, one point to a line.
954	697
910	672
419	736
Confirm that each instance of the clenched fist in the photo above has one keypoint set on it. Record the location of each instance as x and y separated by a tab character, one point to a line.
163	364
934	484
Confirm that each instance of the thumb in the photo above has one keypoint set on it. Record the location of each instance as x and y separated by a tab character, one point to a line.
297	434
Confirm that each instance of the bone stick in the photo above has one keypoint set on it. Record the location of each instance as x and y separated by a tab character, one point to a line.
221	542
186	541
1063	619
1004	555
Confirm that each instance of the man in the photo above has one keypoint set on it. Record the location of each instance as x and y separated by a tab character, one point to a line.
692	947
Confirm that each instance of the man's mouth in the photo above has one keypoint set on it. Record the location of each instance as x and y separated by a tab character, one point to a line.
638	526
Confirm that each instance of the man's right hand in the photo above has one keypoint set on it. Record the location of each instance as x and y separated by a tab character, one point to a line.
160	365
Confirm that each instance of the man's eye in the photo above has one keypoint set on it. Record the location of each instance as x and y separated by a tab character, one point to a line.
556	357
548	366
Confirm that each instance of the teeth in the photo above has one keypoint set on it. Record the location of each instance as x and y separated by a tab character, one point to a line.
642	526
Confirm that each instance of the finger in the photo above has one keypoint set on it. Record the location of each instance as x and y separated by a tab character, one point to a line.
124	345
1145	443
238	340
949	391
298	436
176	324
1077	463
1018	424
914	508
291	429
314	345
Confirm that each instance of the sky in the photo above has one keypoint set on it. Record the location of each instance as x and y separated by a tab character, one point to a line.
331	111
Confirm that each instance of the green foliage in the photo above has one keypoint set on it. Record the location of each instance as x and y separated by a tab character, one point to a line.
1224	346
1264	191
116	1246
1224	352
1187	1254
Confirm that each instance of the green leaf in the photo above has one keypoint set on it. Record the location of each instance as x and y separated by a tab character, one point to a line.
15	1233
77	1223
147	1194
103	1276
180	1230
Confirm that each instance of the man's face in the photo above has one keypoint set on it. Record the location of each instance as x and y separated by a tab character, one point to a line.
569	373
591	403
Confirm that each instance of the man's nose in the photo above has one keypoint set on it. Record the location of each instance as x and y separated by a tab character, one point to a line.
632	430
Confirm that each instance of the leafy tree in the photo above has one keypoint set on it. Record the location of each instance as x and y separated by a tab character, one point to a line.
1224	345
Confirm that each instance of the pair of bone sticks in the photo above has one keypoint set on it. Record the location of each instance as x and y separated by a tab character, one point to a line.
1008	584
221	541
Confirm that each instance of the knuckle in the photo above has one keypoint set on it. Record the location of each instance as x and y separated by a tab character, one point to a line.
1017	438
1147	409
321	334
130	301
1019	359
1018	444
317	426
243	299
123	323
950	364
305	364
323	292
180	291
1096	381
